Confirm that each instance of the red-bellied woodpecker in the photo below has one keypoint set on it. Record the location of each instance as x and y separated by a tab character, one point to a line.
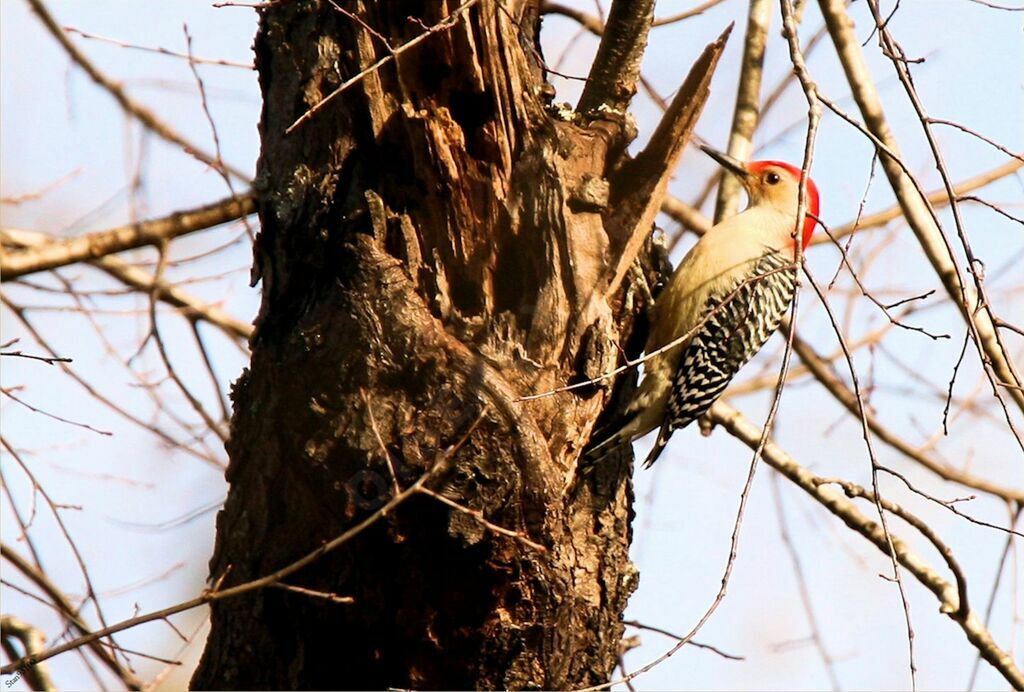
723	301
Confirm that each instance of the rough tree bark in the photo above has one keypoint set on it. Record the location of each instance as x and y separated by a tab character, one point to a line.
436	242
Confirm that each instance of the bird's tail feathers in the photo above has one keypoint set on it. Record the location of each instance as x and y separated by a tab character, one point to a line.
664	433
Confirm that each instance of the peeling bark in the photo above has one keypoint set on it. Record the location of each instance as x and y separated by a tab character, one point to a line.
435	244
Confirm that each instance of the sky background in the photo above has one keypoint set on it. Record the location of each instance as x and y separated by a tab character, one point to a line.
141	529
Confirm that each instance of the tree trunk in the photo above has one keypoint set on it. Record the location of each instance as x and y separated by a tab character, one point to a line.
437	241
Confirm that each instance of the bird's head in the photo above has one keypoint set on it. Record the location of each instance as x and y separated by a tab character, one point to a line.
775	184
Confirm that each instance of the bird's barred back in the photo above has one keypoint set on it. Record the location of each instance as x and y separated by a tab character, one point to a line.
740	322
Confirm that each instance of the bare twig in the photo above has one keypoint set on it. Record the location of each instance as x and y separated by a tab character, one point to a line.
478	516
975	133
380	443
748	103
442	463
951	505
19	312
876	495
1008	546
997	6
124	673
588	21
801	582
159	49
595	24
49	360
686	14
190	306
937	198
824	374
67	610
269	580
699	645
812	95
130	106
15	200
919	214
197	406
10	395
331	597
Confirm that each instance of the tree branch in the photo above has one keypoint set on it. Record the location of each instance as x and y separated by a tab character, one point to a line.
32	641
191	307
131	107
616	68
69	612
641	183
61	252
748	103
818	488
595	26
915	207
270	580
819	367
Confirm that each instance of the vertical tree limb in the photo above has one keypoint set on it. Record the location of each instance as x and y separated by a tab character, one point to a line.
748	103
616	69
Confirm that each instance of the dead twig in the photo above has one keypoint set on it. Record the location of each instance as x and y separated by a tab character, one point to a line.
136	110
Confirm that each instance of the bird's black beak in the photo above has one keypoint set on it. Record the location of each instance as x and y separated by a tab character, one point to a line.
728	163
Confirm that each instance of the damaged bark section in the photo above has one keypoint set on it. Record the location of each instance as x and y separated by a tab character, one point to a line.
435	244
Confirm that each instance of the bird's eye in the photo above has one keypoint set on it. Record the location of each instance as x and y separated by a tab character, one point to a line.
772	178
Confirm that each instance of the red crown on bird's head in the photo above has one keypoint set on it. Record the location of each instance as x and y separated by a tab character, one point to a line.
757	167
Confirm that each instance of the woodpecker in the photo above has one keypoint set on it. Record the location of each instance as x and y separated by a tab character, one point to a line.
726	298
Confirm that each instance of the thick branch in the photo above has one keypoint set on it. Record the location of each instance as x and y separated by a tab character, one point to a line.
61	252
191	307
32	641
616	69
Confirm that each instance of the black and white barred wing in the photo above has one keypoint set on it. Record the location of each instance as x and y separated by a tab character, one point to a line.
739	321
